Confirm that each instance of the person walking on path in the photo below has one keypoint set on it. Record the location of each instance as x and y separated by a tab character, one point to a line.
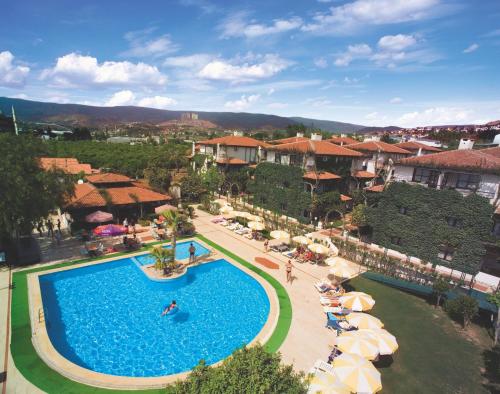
288	268
58	237
39	228
59	224
266	246
50	228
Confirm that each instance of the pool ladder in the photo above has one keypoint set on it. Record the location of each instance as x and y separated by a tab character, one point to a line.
41	315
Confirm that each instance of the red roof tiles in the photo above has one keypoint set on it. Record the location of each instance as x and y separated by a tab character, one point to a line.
345	198
378	146
108	177
342	140
290	139
318	147
415	146
376	188
364	174
486	160
231	161
70	165
322	175
234	140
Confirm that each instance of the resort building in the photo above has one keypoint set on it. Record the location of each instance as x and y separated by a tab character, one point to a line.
298	138
343	140
69	165
418	148
232	151
124	196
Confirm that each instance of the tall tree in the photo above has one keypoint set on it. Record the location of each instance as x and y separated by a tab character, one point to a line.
440	287
27	193
174	221
495	300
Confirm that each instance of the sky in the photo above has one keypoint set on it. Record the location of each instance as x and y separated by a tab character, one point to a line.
371	62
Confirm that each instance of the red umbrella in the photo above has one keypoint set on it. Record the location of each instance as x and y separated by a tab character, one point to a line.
110	230
99	217
165	207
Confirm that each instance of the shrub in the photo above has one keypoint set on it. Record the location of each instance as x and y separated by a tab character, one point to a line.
463	308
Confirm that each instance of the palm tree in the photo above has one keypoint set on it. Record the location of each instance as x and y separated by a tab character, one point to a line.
163	259
173	220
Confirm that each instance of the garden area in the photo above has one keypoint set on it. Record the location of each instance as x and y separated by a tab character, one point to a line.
436	355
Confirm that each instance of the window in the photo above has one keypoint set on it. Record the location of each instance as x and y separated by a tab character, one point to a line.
446	253
426	176
403	210
263	200
305	213
396	240
468	181
454	222
283	206
277	158
286	184
325	158
235	149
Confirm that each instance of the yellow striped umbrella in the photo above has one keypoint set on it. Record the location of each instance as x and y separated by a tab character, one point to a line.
357	373
318	248
255	218
326	383
300	239
340	268
258	226
386	342
364	320
357	301
280	234
355	343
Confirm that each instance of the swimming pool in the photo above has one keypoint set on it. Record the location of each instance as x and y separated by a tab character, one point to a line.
181	252
107	317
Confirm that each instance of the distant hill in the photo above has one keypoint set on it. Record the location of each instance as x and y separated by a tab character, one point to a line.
86	115
367	130
329	125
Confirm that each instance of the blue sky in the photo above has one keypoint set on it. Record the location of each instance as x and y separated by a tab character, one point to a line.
372	62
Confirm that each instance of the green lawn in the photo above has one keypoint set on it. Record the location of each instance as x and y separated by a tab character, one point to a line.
433	356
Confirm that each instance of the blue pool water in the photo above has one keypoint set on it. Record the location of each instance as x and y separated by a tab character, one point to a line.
181	252
107	317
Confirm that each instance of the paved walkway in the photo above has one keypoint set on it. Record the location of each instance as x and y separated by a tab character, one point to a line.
308	339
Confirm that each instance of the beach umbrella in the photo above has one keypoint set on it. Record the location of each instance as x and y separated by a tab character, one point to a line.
364	320
318	249
255	218
280	234
110	230
358	343
258	226
357	301
386	342
246	215
221	202
340	269
226	209
300	239
228	215
165	207
357	373
99	217
326	383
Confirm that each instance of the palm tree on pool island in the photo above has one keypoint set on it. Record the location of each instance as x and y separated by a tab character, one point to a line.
174	221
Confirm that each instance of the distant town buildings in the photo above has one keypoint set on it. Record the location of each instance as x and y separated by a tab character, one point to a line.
189	116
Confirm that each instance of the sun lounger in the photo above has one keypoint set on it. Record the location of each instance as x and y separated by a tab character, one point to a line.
289	253
243	231
323	366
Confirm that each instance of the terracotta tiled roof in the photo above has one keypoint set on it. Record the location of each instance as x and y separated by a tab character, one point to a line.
376	146
108	177
345	198
323	175
342	140
69	165
415	146
235	140
485	160
231	161
376	188
364	174
290	139
318	147
87	195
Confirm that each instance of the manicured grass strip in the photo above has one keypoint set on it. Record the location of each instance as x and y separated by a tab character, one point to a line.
285	306
34	369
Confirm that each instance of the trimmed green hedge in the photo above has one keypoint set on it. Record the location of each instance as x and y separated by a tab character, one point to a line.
415	220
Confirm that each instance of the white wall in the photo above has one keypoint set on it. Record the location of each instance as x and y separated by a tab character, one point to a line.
402	173
270	156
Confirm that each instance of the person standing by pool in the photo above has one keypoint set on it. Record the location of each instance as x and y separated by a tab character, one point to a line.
192	251
288	268
50	228
172	305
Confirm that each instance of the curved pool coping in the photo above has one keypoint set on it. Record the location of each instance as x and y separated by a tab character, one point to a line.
48	353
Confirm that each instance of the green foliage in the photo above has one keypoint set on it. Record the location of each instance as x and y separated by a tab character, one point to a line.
280	189
212	180
236	181
127	159
439	288
415	220
359	217
325	204
27	193
495	300
164	259
463	307
247	371
192	188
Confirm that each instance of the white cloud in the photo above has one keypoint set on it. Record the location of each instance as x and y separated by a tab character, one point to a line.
243	103
353	52
236	25
320	62
160	102
123	97
195	61
396	100
436	116
142	45
11	74
268	66
78	70
271	91
127	97
350	17
397	42
471	48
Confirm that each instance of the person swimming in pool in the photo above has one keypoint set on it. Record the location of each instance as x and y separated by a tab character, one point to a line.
169	308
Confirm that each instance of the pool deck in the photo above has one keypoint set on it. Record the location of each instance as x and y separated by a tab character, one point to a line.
307	340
